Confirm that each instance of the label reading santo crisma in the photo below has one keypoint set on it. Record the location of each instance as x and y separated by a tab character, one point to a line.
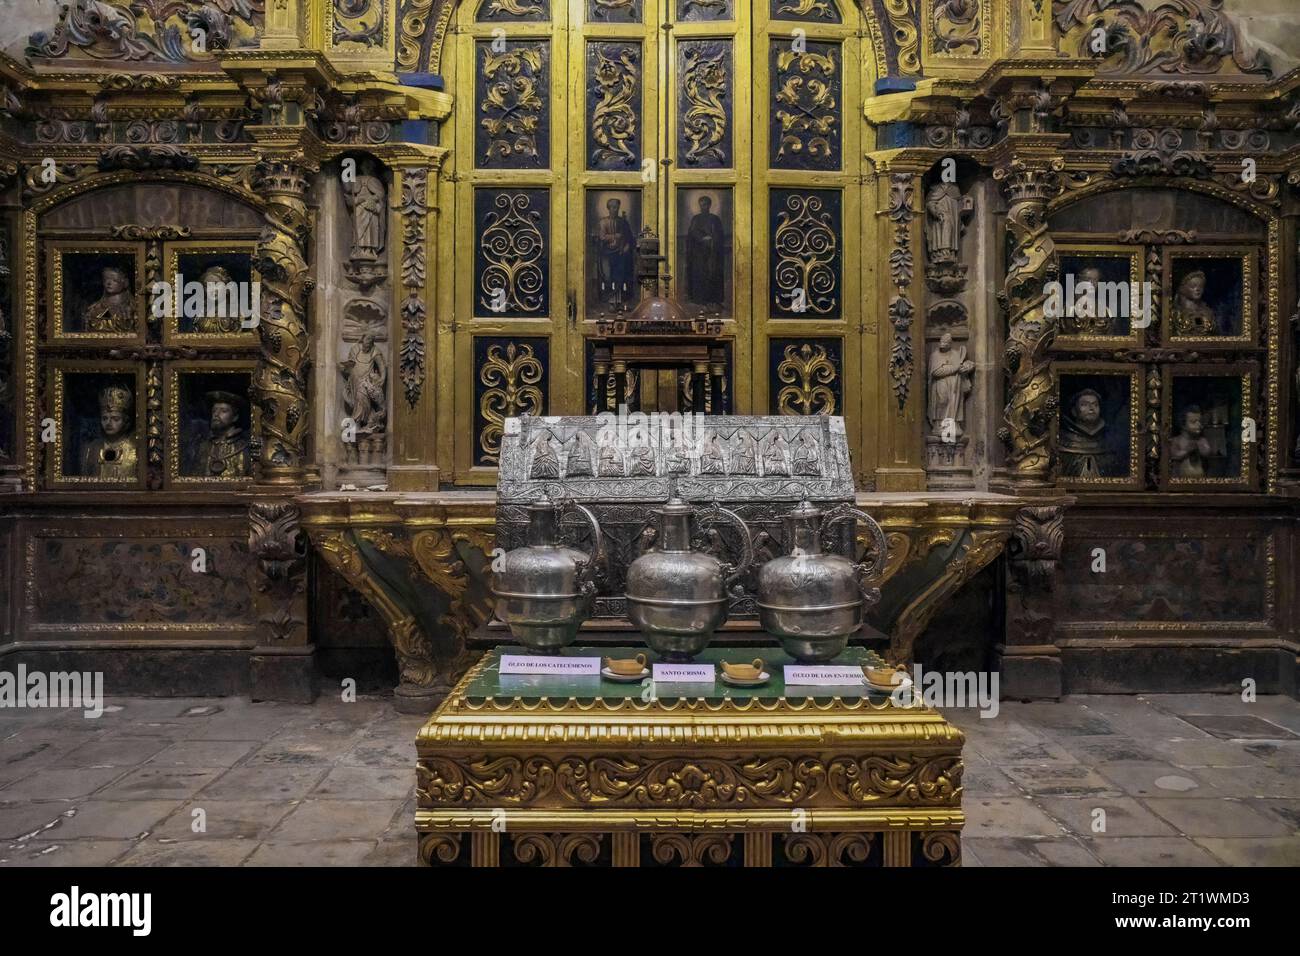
537	666
684	674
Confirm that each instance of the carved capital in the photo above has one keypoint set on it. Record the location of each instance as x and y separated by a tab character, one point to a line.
1035	546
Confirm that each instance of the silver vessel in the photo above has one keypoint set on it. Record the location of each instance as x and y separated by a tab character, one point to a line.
812	600
678	596
544	590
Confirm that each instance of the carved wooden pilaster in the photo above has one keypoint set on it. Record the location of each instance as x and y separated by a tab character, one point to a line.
281	664
1031	403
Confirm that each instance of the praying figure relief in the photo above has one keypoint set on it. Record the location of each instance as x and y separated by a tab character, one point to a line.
364	195
112	456
950	385
1189	448
114	310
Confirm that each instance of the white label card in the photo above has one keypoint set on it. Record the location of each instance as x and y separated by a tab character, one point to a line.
825	675
684	674
537	665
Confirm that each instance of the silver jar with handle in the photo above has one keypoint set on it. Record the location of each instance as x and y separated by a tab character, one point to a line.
814	600
544	589
679	595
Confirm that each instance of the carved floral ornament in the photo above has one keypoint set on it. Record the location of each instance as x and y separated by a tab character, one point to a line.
172	31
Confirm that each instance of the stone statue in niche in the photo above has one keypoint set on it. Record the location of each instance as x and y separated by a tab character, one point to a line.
112	456
114	310
950	386
224	453
365	398
946	211
365	197
1083	441
1189	448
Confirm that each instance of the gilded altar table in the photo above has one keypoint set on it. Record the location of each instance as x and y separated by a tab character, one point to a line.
516	771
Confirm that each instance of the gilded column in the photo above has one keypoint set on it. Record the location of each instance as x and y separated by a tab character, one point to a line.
1029	184
280	382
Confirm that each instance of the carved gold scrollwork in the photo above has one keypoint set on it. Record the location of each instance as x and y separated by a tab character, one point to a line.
513	247
807	110
413	210
438	558
901	309
512	103
805	245
514	8
691	849
831	849
613	121
512	379
704	82
942	847
412	24
957	27
570	849
440	848
902	21
809	373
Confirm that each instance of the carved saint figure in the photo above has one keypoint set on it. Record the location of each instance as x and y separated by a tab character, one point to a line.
580	456
807	456
364	196
1084	453
112	456
705	246
642	461
365	386
611	462
218	287
1189	448
774	457
546	461
224	453
1192	315
114	310
950	384
945	208
711	462
617	251
744	456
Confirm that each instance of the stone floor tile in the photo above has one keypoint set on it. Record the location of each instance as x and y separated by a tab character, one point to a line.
26	817
997	851
1157	779
1217	818
1194	752
365	783
262	783
1008	817
1150	852
1277	851
1059	779
314	820
113	751
1105	747
381	752
981	778
72	853
393	853
1239	727
224	820
1257	781
1274	753
154	852
1288	811
152	782
110	820
204	753
321	853
1124	817
58	784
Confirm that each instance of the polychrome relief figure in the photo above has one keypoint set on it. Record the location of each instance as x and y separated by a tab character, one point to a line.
112	456
705	245
617	248
1083	441
1192	316
114	310
217	288
224	453
1189	448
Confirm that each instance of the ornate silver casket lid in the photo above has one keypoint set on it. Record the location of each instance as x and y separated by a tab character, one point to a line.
729	458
